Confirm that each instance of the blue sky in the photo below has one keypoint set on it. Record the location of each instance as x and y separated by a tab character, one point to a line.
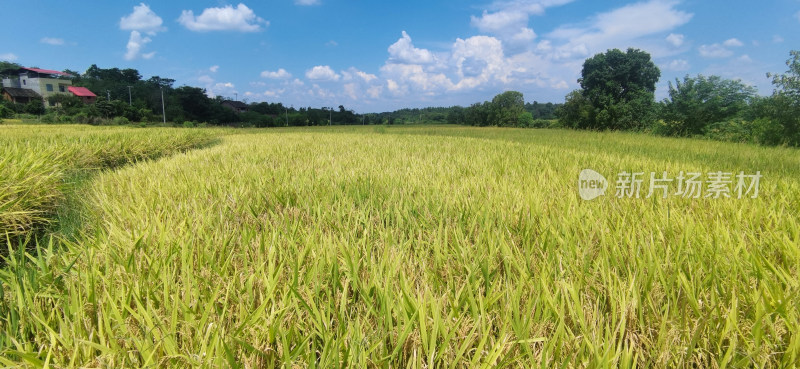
382	55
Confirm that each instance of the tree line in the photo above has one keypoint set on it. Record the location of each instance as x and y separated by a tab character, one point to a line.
124	96
617	93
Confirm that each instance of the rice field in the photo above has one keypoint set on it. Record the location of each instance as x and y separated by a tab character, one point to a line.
415	247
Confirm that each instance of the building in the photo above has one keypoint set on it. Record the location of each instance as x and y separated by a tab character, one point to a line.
88	97
236	106
23	85
42	81
20	95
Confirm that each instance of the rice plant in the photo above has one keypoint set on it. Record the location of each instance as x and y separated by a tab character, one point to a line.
415	247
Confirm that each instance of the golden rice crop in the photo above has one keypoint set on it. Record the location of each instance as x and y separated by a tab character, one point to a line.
416	247
36	162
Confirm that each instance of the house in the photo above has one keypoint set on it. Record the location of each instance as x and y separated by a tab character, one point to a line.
20	95
41	83
236	106
88	97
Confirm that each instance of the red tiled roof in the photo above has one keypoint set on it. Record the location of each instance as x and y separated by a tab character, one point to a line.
81	91
47	71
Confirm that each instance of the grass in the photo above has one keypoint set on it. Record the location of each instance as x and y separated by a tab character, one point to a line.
38	163
414	247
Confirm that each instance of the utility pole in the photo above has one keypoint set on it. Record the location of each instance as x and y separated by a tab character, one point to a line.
163	109
108	95
237	95
287	116
130	98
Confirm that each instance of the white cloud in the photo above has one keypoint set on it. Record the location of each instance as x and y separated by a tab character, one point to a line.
733	43
307	2
225	89
675	39
278	74
143	20
353	73
322	73
777	39
619	28
375	92
678	65
499	22
205	79
714	51
403	51
213	68
135	45
479	60
241	19
508	20
404	78
8	57
52	41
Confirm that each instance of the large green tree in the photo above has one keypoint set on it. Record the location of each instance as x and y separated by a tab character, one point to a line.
697	102
507	109
780	113
620	87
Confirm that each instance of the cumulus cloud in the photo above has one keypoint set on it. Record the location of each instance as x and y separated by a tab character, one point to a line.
52	41
8	57
678	65
508	20
142	19
278	74
718	50
403	51
733	43
240	19
478	60
213	68
500	22
619	28
135	44
675	39
355	74
322	73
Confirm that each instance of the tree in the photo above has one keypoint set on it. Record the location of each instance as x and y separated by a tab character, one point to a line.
789	83
700	101
66	103
35	107
576	111
780	113
620	87
506	109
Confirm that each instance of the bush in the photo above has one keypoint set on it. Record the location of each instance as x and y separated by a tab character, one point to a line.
121	121
5	111
734	130
25	116
49	118
189	124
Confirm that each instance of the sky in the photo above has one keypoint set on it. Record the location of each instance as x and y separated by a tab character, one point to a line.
373	56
